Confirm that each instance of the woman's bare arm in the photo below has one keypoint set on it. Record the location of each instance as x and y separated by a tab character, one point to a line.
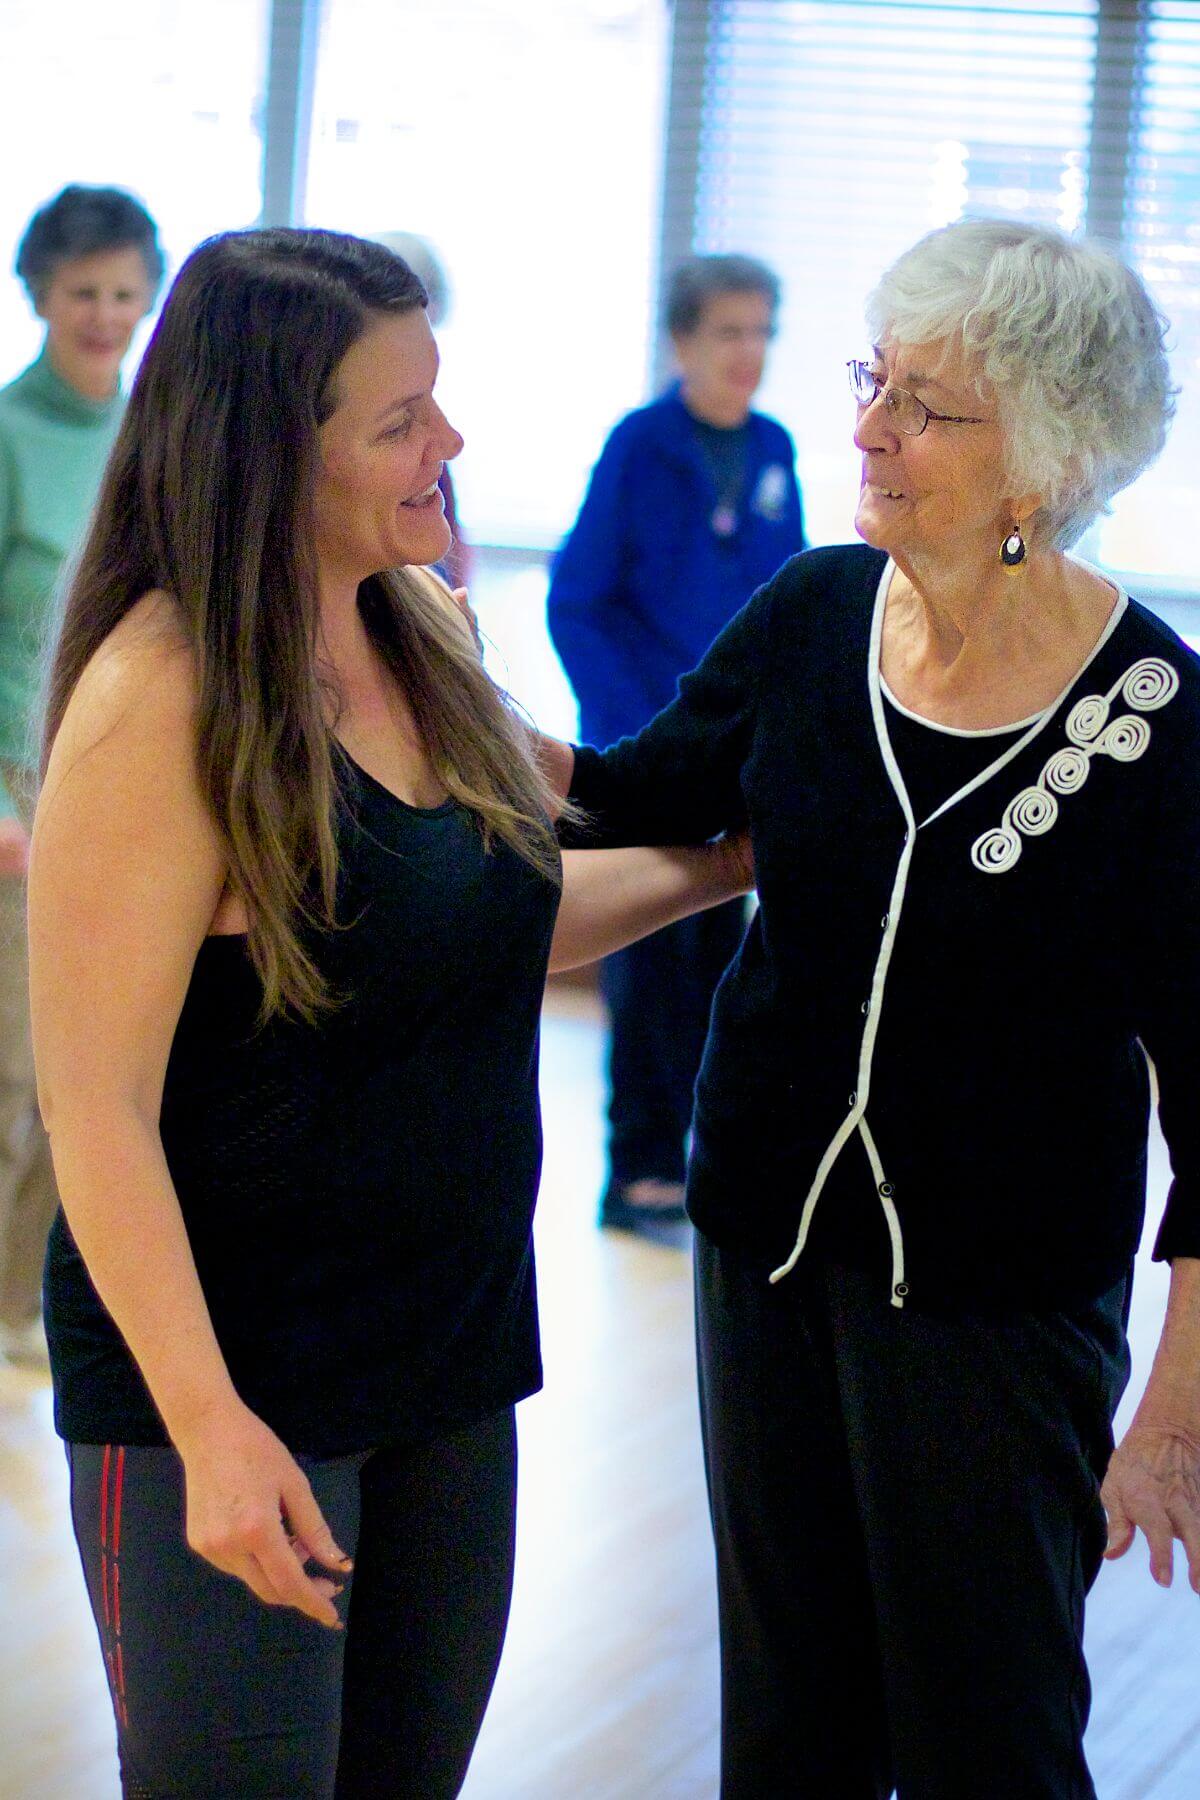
613	897
125	873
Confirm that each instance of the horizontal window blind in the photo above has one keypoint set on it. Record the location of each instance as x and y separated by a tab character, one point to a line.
828	135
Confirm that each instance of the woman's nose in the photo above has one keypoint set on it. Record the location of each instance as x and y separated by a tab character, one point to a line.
875	429
452	440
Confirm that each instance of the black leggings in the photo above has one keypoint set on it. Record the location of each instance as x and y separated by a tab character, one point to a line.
219	1697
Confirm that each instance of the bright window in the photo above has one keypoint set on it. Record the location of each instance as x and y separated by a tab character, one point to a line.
157	96
1149	528
521	138
832	133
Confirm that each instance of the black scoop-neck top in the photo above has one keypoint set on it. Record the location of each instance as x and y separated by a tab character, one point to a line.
358	1195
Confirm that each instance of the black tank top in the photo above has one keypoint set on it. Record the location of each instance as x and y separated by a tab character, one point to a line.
358	1195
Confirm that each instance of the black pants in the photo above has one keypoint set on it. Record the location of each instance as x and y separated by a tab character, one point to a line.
907	1519
219	1697
659	994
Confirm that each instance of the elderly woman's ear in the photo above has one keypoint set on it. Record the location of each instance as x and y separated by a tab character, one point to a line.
1025	519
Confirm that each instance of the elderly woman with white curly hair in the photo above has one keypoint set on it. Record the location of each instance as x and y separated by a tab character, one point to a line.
969	766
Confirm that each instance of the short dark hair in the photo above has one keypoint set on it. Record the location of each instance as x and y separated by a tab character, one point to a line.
83	221
702	278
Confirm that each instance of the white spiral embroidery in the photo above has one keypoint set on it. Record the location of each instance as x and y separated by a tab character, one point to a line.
1087	719
1067	770
1126	738
1033	811
1148	685
996	850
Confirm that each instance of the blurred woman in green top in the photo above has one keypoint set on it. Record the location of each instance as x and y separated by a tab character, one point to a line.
91	265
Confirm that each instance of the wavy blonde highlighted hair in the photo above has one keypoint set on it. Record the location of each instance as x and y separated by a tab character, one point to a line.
208	497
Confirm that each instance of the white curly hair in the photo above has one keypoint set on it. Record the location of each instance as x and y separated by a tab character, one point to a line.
1065	336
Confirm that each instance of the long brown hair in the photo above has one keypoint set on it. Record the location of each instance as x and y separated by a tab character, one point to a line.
208	496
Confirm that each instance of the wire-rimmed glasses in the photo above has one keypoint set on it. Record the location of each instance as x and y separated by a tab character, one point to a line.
909	415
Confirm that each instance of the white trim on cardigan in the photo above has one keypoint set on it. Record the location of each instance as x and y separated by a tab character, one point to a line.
855	1119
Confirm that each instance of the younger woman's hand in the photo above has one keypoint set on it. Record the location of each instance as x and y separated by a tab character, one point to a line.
468	612
251	1513
739	854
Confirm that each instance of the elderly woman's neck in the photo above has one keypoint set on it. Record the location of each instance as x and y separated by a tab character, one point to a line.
973	648
966	606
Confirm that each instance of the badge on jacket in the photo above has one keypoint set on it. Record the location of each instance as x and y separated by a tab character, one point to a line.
769	499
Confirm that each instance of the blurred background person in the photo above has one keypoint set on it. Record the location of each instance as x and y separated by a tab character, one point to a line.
90	262
426	264
692	505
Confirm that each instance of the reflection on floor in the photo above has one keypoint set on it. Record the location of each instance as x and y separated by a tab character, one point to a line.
608	1690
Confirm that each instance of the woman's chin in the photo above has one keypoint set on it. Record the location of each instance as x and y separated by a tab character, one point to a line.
419	551
871	528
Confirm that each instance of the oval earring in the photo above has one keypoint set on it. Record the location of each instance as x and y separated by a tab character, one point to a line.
1013	550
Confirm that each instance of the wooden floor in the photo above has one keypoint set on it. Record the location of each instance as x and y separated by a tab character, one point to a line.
608	1690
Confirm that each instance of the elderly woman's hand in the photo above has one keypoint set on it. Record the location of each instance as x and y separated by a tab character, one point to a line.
1153	1485
1153	1480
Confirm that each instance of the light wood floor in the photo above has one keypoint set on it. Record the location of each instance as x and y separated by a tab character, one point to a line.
608	1690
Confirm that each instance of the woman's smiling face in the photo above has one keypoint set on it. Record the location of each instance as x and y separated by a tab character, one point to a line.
377	503
943	492
91	305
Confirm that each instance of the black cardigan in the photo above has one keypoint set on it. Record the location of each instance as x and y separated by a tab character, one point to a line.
969	992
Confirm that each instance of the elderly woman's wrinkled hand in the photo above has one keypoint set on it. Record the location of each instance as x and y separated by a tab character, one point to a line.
1153	1485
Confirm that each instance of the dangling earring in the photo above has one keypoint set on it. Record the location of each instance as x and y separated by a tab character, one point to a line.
1013	550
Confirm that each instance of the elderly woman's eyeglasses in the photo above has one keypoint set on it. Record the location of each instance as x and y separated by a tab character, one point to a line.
909	414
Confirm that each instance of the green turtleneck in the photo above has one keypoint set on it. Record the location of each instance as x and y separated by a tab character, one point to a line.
53	446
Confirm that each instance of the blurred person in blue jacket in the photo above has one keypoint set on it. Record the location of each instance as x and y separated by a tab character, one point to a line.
692	505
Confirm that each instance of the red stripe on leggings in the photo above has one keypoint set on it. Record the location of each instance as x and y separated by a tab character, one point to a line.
118	1496
112	1477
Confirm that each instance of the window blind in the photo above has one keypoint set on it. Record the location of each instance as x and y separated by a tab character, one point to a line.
828	135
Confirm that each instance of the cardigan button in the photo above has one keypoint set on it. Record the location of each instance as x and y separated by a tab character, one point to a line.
883	923
900	1289
853	1101
886	1189
866	1007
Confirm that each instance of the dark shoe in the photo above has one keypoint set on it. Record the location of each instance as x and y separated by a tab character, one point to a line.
634	1205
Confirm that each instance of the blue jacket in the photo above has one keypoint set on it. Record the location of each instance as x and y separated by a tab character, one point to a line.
644	583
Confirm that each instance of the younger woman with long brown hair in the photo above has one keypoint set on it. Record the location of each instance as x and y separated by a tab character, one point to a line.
292	895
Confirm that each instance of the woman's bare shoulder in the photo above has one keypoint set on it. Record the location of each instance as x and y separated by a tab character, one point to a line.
134	703
142	677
